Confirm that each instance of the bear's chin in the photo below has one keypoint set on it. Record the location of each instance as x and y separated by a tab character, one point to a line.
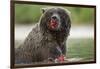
53	28
53	25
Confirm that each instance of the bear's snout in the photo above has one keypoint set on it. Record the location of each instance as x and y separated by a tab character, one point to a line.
54	23
54	17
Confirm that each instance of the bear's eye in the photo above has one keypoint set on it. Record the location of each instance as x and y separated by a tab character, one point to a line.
50	13
59	12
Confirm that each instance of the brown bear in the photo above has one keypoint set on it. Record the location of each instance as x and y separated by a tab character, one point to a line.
47	40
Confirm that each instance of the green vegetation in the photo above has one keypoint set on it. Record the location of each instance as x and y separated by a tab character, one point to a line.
82	15
81	48
25	13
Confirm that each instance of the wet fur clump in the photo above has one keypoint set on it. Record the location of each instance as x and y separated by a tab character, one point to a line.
47	40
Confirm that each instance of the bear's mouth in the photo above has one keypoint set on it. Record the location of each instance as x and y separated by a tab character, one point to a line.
53	24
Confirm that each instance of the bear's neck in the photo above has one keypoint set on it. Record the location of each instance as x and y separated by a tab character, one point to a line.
58	36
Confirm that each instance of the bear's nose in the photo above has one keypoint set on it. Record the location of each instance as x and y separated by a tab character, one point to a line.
54	17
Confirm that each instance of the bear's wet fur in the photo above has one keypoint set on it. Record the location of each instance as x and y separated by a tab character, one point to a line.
44	40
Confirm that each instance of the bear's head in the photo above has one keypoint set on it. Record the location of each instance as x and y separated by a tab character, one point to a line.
55	19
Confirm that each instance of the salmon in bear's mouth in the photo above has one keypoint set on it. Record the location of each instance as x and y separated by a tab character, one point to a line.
61	58
53	24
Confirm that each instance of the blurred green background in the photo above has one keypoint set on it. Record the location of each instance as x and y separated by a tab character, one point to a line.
31	13
81	48
80	43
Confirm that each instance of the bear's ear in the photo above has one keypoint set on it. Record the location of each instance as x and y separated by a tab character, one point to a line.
68	12
43	10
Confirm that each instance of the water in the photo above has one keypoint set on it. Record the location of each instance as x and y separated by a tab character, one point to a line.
21	31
